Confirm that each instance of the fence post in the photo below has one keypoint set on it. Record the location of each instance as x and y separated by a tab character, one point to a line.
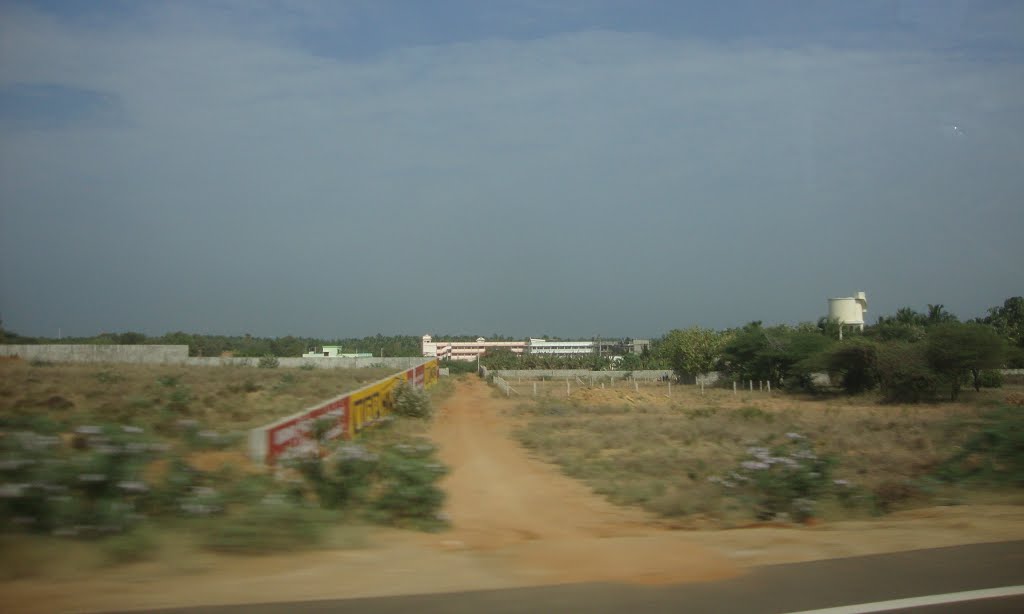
769	386
751	385
734	389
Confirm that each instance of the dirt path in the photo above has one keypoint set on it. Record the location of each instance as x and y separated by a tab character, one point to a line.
516	522
540	523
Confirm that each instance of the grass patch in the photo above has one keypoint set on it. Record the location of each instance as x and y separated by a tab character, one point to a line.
660	454
272	525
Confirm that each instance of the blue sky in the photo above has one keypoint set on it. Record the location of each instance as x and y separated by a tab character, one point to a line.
575	168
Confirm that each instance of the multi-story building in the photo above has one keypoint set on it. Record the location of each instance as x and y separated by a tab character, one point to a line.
466	350
470	350
559	348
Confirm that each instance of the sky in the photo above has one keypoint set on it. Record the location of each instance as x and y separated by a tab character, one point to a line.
563	167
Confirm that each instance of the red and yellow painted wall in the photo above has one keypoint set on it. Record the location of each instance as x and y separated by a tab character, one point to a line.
349	413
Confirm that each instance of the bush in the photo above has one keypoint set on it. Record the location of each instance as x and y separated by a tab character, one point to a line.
991	378
411	402
855	362
787	479
903	373
458	367
342	478
409	494
268	361
91	488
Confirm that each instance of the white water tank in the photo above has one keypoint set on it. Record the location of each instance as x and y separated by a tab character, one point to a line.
848	310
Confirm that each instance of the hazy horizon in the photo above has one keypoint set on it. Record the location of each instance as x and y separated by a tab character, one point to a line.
578	169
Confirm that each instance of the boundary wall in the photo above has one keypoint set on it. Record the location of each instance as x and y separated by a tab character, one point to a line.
349	413
292	362
149	354
572	373
178	354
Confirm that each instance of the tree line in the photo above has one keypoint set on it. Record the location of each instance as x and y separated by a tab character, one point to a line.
910	356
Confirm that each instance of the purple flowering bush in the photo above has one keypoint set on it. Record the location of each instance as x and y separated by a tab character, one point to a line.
787	479
90	487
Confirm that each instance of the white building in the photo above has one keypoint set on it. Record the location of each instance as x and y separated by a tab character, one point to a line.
466	350
334	351
559	348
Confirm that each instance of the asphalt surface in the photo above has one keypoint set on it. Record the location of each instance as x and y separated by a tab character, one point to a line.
764	590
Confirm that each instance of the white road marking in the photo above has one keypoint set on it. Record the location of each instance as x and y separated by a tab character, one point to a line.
912	602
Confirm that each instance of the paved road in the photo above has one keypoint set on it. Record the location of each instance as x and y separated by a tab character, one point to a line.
770	589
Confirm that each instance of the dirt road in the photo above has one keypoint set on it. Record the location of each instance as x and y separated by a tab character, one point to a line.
542	524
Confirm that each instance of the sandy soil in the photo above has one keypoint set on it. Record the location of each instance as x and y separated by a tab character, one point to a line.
516	522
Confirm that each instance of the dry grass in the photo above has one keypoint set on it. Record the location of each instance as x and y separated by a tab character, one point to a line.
643	448
232	398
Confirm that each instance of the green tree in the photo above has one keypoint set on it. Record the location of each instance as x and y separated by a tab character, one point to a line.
937	314
904	375
955	349
854	363
1008	320
694	350
780	354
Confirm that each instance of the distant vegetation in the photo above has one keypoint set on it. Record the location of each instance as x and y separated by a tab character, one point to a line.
908	356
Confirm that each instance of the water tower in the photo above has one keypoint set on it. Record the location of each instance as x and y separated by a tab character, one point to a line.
848	311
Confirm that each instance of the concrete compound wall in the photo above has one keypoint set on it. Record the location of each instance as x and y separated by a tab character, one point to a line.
584	374
98	353
178	354
390	362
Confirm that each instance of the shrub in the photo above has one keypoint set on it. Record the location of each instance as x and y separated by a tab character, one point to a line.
409	494
991	378
955	349
458	367
91	488
787	479
268	361
169	381
855	362
411	402
903	373
342	478
179	399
